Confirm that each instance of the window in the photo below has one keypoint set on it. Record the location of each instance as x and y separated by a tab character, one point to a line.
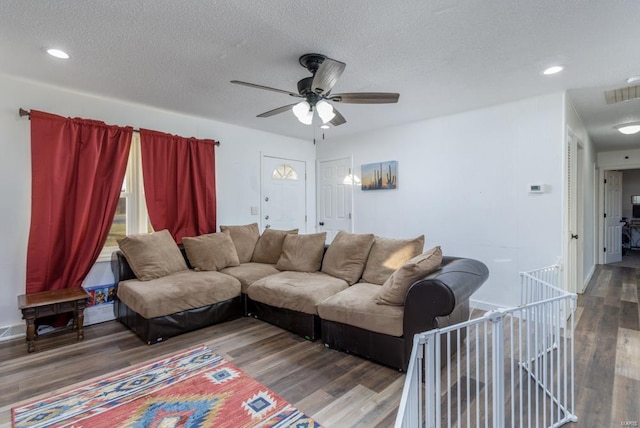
131	214
285	172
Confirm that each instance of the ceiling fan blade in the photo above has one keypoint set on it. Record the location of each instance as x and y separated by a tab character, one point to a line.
276	111
327	75
338	119
366	98
253	85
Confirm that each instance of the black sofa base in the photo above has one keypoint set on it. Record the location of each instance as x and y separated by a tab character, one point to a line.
157	329
381	348
305	325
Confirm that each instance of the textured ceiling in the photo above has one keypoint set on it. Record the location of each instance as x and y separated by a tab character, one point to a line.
442	56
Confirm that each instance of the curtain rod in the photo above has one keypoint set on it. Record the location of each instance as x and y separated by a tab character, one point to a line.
22	112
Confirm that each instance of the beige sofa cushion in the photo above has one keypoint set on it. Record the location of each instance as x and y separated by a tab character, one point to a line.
302	253
388	255
248	273
213	251
152	255
244	238
296	291
395	289
269	246
346	256
177	292
356	306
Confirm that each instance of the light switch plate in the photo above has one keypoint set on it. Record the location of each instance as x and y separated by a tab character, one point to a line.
254	211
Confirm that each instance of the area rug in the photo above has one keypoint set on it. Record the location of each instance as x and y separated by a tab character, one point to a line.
192	388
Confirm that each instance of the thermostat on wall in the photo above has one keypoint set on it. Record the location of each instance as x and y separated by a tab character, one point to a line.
537	188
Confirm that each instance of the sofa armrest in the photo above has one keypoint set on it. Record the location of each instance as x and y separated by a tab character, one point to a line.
440	293
120	267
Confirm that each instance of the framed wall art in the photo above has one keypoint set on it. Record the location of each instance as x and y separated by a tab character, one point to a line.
379	176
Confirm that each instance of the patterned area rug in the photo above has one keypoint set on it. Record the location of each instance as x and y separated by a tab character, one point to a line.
192	388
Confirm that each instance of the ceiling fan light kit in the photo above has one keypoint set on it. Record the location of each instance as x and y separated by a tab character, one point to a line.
316	92
303	112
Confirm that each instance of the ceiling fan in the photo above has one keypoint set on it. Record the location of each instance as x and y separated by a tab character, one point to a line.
316	91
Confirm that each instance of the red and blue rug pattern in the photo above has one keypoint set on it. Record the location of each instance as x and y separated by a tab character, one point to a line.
192	388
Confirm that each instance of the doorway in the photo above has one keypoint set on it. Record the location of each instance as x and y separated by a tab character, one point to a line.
335	195
623	228
284	194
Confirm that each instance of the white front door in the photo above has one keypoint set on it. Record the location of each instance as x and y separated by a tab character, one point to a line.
284	194
335	189
612	216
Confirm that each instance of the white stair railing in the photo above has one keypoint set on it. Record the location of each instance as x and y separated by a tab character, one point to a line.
511	367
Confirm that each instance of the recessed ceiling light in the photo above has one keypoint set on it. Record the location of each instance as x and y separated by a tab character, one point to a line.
633	79
325	126
58	53
629	128
553	70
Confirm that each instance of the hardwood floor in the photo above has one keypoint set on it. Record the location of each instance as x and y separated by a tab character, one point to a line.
337	389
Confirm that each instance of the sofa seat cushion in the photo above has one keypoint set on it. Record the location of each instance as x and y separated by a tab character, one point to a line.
296	291
248	273
177	292
356	306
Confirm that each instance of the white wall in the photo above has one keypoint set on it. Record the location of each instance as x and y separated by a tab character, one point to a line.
463	182
237	167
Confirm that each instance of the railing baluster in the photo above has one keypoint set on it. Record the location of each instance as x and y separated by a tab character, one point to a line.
545	326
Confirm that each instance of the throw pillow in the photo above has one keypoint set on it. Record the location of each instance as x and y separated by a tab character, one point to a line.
395	289
302	253
213	251
388	255
346	256
152	255
269	245
244	238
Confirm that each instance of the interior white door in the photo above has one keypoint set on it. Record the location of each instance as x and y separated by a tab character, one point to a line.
284	194
575	199
613	216
335	193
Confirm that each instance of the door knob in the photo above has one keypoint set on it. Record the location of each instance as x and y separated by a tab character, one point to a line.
267	226
574	236
266	217
321	223
266	199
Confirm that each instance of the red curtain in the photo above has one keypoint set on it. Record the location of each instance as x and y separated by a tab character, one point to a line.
77	169
179	183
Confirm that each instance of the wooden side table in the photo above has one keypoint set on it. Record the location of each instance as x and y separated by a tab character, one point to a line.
52	303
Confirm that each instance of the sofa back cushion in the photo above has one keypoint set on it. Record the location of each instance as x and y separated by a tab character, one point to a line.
388	255
395	289
152	255
244	238
347	255
302	253
269	246
213	251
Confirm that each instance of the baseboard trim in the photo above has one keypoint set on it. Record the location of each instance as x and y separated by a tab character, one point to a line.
12	332
484	306
587	280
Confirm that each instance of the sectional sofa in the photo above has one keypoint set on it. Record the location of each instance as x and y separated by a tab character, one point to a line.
362	294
